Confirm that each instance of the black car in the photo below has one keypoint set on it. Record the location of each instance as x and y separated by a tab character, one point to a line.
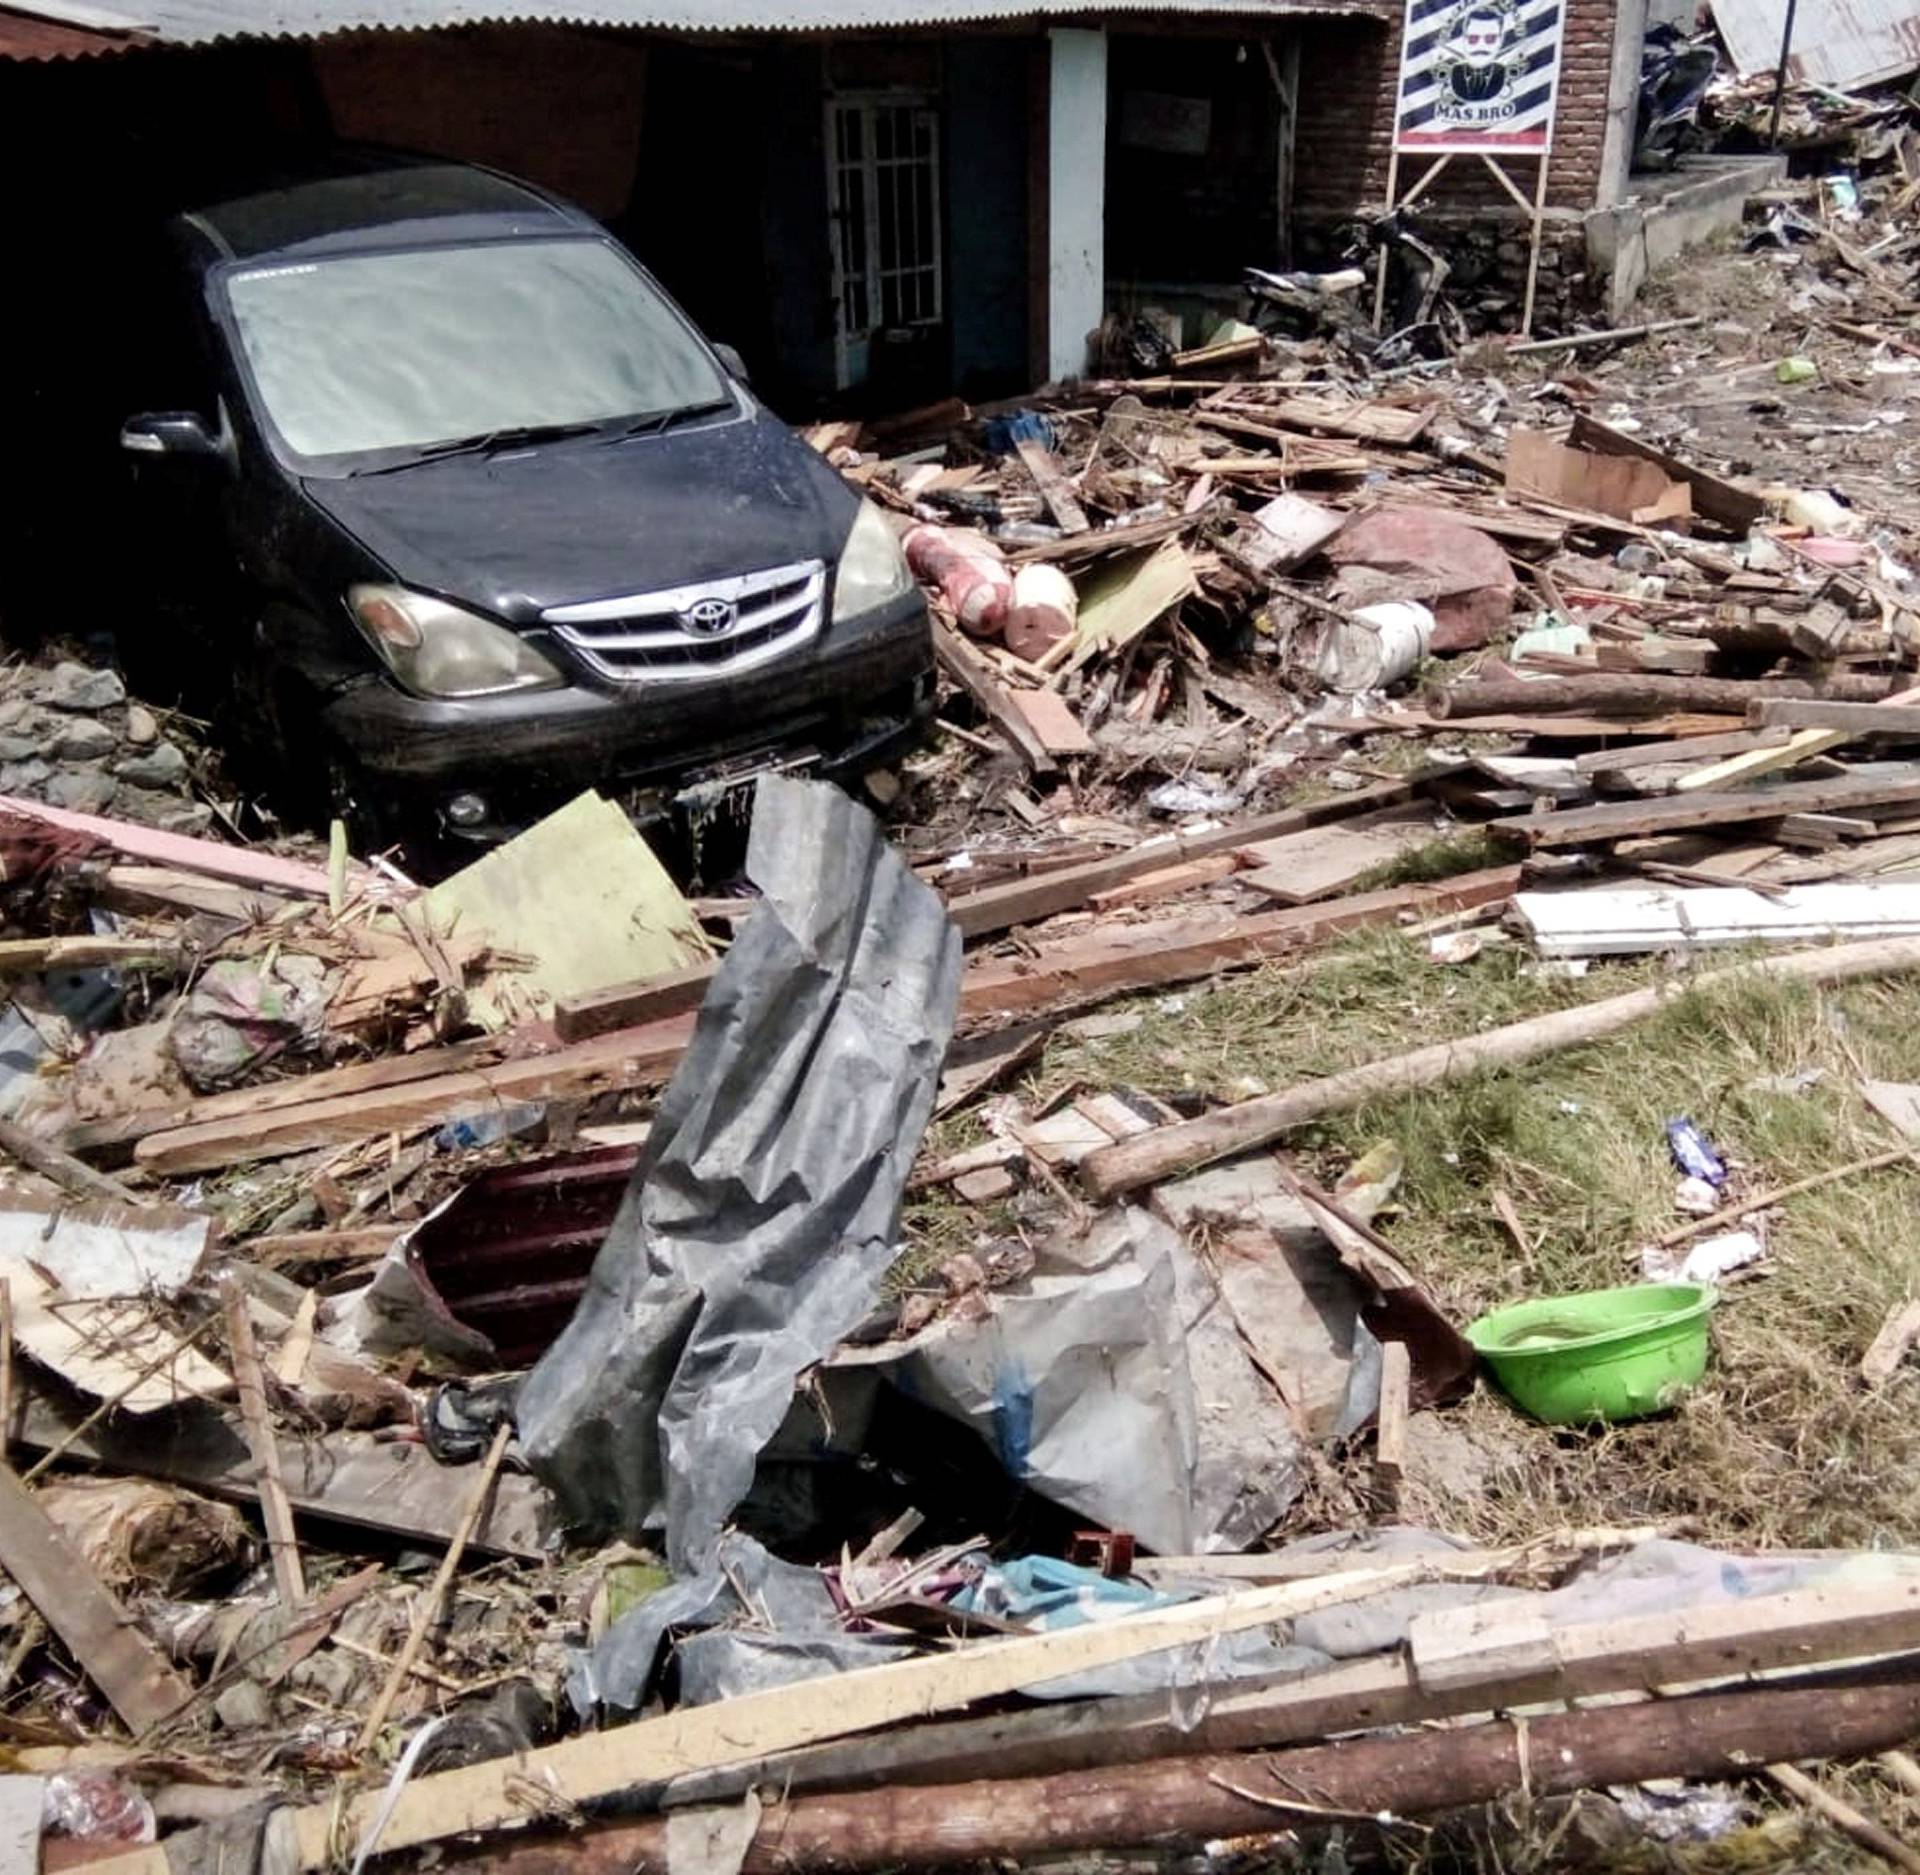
484	520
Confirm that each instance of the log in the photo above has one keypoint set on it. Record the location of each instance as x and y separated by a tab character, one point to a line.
1612	335
1170	1150
1625	694
1677	1648
487	1796
1190	1800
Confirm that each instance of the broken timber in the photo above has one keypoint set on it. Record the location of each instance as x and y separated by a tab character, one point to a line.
1195	1799
975	675
483	1797
1624	693
139	1682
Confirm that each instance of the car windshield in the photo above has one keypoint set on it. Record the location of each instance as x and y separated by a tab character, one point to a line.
406	350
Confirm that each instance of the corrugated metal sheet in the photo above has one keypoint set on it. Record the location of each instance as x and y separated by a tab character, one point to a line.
201	22
1843	43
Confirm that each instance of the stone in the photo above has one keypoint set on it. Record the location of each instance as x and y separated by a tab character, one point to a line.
166	811
81	790
14	711
24	777
161	767
19	748
70	686
140	728
243	1707
83	739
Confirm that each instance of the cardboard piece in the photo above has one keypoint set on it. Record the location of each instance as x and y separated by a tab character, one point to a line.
1626	487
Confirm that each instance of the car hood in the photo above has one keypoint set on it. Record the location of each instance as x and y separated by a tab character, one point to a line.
585	518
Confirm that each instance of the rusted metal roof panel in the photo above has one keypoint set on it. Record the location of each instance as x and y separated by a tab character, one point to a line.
22	36
1842	43
203	22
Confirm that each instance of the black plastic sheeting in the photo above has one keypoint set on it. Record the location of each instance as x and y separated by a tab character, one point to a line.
764	1211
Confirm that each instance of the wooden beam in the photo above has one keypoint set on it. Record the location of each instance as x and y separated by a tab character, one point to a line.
1483	1672
139	1683
1169	1150
1390	1433
975	675
629	1058
1600	763
1687	813
1190	1800
1141	956
486	1796
1056	490
21	956
1864	719
1016	901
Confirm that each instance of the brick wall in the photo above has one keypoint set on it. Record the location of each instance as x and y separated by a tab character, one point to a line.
1348	69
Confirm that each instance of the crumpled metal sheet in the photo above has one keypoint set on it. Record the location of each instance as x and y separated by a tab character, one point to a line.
1115	1382
764	1211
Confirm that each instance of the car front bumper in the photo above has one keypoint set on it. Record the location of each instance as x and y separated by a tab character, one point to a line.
853	699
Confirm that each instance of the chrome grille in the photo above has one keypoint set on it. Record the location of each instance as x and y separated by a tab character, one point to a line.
653	637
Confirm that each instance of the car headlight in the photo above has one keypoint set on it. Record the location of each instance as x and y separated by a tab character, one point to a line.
439	650
873	571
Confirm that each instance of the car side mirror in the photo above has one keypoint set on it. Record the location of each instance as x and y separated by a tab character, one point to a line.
169	433
735	364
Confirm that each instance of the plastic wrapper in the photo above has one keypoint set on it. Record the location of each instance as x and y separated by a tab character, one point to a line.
763	1213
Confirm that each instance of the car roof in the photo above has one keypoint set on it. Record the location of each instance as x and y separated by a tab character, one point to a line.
355	201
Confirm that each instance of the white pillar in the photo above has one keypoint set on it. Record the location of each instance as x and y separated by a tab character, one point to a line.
1076	195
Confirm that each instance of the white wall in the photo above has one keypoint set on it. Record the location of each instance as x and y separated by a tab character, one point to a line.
1076	196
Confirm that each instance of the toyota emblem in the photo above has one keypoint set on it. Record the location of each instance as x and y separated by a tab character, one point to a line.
708	617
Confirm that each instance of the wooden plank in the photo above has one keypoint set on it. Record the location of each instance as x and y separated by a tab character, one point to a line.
1053	723
1390	1432
1719	500
1166	882
351	1478
1153	954
483	1797
975	675
1035	896
1021	901
1684	813
242	864
283	1545
627	1058
135	888
625	1005
1326	860
1056	489
1602	762
1679	1647
142	1687
1864	719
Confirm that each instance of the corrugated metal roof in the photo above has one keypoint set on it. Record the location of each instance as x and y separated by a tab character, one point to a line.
1844	43
202	22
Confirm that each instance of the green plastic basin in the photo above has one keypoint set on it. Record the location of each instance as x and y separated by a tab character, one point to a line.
1608	1354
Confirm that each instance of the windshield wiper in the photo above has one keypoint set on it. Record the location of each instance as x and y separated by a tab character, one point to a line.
485	443
654	421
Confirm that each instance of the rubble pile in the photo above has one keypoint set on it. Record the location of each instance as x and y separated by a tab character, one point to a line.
458	1388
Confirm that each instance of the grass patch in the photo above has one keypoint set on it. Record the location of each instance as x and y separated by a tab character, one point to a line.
1444	858
1781	1444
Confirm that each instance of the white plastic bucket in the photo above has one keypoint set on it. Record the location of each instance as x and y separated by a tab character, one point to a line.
1376	646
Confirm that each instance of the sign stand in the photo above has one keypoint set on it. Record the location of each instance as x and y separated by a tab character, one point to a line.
1477	78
